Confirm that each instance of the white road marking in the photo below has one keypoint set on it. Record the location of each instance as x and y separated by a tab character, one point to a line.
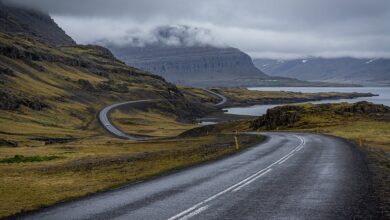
286	159
299	149
250	181
192	214
300	146
242	182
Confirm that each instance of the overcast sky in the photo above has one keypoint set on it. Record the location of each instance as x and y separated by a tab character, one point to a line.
262	28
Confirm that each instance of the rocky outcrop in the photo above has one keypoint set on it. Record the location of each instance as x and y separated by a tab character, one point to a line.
52	140
6	72
86	85
364	108
278	116
33	24
196	65
9	101
8	143
287	116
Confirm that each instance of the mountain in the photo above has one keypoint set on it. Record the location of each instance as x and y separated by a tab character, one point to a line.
191	56
32	23
369	72
195	65
52	93
188	56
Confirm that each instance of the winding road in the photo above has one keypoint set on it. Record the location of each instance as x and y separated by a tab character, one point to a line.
290	176
105	122
223	98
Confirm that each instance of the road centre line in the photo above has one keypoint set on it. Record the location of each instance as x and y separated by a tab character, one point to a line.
197	211
239	184
250	181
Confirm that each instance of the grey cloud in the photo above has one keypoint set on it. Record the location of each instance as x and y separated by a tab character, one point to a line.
167	35
277	28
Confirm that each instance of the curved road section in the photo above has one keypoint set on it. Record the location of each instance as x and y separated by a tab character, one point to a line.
105	122
290	176
223	98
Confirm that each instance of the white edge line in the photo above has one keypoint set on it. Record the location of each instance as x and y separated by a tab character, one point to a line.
177	216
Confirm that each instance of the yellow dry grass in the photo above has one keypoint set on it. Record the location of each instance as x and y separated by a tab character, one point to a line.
151	123
243	96
99	163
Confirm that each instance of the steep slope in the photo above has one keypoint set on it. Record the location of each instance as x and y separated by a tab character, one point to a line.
196	65
345	70
49	92
31	23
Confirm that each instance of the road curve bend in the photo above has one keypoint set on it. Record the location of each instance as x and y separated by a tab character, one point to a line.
290	176
223	98
105	122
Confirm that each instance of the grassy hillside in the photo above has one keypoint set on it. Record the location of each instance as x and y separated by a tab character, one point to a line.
49	92
198	94
52	147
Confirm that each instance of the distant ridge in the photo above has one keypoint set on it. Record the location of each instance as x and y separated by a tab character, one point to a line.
369	72
196	65
192	56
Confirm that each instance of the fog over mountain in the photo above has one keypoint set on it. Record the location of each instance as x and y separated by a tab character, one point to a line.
185	55
200	37
166	35
261	28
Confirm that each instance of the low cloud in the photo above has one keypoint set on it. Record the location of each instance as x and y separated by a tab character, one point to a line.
167	35
262	28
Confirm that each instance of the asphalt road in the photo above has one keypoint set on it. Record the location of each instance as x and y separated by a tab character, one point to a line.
105	122
223	98
290	176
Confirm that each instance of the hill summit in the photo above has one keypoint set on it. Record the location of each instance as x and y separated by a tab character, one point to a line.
33	24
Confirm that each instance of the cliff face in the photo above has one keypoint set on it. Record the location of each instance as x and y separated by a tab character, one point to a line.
375	71
33	24
196	65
